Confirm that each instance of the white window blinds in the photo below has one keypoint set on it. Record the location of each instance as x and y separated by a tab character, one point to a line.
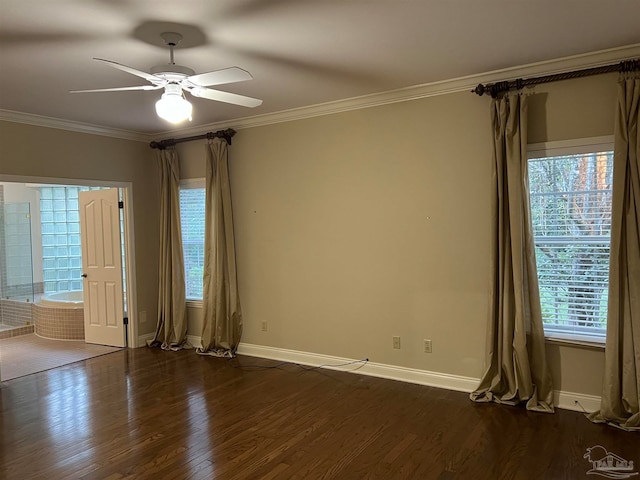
192	199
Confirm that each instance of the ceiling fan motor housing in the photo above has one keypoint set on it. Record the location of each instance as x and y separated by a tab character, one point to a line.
169	70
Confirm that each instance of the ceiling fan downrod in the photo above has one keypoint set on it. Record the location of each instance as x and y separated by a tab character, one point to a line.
171	39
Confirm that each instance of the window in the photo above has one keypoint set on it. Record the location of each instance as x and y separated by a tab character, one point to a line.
61	251
570	193
192	198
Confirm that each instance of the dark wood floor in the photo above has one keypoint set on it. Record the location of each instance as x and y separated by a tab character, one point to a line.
147	413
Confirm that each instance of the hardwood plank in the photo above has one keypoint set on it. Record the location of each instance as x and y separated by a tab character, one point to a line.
146	413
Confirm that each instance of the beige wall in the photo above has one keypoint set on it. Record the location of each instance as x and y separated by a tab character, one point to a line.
355	227
351	228
31	151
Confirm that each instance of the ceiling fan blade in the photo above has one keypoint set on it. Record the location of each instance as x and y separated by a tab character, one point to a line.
132	71
119	89
219	77
226	97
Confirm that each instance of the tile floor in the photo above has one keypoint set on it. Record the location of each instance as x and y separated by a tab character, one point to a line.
29	354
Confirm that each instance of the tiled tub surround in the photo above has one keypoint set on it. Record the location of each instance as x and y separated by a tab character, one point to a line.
59	323
16	318
16	313
10	332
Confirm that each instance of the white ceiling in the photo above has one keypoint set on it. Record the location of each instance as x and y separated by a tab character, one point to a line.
300	52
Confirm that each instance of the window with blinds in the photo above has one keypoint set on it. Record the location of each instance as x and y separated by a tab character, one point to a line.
570	198
192	198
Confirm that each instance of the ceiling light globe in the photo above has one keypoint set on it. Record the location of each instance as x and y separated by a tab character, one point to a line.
173	108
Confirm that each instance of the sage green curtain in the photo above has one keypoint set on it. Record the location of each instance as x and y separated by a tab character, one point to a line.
171	330
222	317
621	382
517	371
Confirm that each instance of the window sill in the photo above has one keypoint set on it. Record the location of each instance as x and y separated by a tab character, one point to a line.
572	342
194	303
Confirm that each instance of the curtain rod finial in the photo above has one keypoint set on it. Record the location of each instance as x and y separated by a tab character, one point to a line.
479	90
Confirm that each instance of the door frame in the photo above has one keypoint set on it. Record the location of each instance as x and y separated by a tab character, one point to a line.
129	239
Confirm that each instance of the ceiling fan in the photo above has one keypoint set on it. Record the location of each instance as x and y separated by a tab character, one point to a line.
173	106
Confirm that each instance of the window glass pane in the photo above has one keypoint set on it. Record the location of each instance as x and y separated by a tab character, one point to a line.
192	220
571	216
61	237
48	240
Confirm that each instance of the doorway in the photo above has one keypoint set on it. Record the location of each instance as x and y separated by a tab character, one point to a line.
69	267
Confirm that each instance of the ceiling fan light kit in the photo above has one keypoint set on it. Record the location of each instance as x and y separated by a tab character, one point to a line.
175	79
172	106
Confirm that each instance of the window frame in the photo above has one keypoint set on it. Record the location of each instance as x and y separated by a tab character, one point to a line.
557	149
189	184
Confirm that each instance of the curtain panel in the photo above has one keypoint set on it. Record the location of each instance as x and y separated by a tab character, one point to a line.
517	371
621	383
222	316
171	330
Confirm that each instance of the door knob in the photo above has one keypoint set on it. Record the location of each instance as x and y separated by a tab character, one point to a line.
84	275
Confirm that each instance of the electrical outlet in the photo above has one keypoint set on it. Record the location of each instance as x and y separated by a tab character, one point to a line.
264	326
427	346
143	316
396	342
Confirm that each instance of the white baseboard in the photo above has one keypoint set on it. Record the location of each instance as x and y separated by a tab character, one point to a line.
391	372
565	400
578	402
194	340
142	339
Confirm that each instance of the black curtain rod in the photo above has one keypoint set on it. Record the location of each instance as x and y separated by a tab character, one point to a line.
170	142
494	89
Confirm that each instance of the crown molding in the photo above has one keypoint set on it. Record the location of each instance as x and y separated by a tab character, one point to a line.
444	87
70	125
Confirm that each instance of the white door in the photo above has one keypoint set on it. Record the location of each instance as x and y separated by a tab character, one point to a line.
102	267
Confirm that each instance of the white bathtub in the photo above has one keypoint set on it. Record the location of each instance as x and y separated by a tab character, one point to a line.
72	299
